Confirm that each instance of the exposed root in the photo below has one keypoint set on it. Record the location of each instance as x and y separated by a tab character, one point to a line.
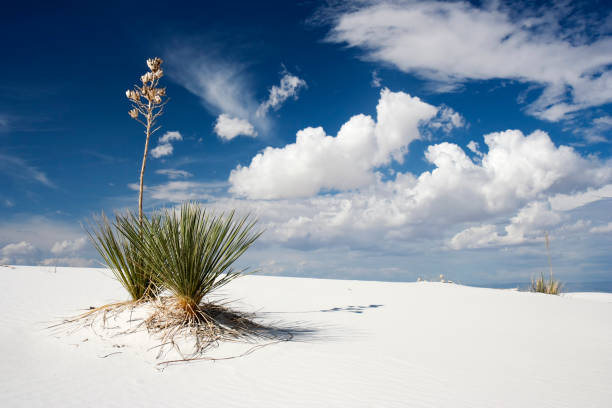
95	314
190	331
204	327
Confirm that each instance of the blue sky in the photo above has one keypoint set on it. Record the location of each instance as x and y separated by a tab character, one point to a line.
380	140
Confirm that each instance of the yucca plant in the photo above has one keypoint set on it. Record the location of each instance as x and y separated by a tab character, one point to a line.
541	285
192	250
124	258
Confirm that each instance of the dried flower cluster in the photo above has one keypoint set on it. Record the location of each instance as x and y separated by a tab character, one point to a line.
147	100
147	105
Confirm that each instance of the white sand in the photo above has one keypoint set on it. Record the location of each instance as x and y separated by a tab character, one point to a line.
426	345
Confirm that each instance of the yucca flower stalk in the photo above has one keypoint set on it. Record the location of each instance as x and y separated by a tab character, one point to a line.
147	106
192	250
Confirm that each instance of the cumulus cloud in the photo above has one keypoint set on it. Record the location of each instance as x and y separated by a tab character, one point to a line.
288	88
317	161
16	253
453	42
460	203
227	127
602	229
447	120
473	147
68	246
30	240
164	144
529	225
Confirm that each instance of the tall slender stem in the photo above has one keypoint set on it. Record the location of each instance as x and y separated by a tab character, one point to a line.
144	164
151	111
548	254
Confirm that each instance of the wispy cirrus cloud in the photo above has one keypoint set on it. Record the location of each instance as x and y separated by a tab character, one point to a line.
174	173
18	168
226	90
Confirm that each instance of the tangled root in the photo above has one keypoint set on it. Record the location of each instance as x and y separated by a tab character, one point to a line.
190	331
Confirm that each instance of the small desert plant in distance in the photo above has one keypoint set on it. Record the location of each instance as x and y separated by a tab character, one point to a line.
192	250
541	285
123	258
147	106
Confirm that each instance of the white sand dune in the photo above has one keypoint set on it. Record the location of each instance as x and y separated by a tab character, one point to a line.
373	344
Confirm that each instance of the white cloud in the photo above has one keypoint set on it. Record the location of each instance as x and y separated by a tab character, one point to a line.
162	150
19	248
29	240
376	80
447	120
452	42
289	87
598	131
567	202
164	146
529	225
170	137
226	89
68	246
174	173
179	191
473	147
510	185
227	127
318	162
18	168
16	253
71	261
222	85
602	229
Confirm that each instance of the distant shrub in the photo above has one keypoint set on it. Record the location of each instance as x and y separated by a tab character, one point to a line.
541	285
550	286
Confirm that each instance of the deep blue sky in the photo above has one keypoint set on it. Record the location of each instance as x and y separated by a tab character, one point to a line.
68	149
